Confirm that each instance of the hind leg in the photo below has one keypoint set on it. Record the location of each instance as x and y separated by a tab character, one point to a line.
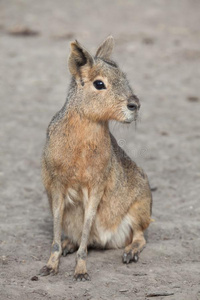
140	213
68	247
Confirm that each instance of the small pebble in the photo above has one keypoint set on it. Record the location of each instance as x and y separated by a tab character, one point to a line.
34	278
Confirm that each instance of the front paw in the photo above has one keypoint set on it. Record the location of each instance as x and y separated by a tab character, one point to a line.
80	273
46	270
82	277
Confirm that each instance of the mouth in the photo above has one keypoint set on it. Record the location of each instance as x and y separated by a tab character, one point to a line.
128	121
130	117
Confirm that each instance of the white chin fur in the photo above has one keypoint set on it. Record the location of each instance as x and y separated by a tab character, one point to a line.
128	116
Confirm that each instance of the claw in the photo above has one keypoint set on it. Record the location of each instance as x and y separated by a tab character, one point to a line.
68	248
45	271
124	258
82	277
67	251
128	257
135	257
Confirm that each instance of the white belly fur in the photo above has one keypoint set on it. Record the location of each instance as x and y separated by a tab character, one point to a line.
114	239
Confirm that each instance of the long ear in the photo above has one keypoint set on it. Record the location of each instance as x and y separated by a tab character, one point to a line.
105	49
78	58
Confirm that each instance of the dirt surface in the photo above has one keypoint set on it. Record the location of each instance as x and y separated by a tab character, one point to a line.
158	45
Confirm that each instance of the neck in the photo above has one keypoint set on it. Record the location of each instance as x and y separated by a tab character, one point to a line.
80	124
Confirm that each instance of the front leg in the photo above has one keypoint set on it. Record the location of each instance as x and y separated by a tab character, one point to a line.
90	213
56	249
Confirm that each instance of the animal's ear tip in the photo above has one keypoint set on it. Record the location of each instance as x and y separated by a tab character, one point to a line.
106	48
74	44
110	37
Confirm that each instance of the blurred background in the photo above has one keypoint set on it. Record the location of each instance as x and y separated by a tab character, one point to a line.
158	46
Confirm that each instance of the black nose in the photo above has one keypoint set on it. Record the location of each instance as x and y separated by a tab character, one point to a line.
132	106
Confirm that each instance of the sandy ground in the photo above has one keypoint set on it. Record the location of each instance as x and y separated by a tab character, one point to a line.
158	45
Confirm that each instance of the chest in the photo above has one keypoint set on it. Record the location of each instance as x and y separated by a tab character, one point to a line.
80	156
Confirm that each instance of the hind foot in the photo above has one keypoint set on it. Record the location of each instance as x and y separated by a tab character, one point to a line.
68	247
131	252
129	257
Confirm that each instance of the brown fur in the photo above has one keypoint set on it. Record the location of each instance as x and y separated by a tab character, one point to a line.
98	196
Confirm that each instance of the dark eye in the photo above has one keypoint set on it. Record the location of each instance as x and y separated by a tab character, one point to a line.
99	85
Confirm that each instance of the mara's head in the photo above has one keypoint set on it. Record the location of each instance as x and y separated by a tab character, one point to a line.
102	91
